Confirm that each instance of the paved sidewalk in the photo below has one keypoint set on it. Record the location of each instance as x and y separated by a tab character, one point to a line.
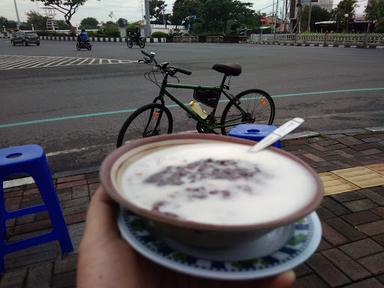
351	253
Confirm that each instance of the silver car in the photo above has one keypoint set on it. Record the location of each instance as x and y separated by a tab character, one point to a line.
25	38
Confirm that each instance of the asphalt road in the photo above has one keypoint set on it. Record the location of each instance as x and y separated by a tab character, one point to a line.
74	108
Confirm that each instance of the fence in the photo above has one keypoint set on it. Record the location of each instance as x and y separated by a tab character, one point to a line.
186	39
316	38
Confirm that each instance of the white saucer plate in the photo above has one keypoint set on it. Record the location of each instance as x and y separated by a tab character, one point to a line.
304	240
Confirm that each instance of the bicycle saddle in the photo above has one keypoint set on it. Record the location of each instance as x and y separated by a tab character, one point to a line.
228	69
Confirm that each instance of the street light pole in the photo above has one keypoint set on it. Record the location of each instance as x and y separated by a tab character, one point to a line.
309	16
17	15
273	16
147	17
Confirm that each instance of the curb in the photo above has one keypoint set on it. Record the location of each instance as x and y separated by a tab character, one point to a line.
101	39
97	39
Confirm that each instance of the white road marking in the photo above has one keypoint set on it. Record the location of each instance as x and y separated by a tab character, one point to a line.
85	60
75	150
40	63
12	65
65	61
73	62
57	62
17	182
9	62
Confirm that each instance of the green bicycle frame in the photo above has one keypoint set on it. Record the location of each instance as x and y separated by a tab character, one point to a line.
210	122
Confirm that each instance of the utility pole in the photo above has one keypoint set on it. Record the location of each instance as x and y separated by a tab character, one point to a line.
17	15
147	17
277	13
309	16
286	16
273	17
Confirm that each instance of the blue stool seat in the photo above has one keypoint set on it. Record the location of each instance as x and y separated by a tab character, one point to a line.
31	160
255	132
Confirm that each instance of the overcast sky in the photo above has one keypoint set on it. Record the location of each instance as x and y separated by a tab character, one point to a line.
131	10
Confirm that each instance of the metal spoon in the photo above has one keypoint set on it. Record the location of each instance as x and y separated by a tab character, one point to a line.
280	132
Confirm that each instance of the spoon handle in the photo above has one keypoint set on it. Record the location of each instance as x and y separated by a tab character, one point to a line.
277	134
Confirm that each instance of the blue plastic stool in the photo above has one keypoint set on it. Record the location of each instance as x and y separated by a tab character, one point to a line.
31	160
255	132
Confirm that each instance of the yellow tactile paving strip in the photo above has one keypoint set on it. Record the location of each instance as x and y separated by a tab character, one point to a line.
379	168
334	184
345	180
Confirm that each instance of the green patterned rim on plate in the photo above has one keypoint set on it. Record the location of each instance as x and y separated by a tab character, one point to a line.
303	243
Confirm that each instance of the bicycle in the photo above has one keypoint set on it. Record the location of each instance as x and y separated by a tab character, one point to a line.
155	118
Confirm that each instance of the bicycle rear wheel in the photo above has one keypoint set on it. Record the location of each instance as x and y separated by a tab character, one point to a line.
149	120
257	106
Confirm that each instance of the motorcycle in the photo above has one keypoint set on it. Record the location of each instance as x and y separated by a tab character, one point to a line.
83	45
138	41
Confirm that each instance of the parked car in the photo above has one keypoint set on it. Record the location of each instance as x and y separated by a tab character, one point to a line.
25	38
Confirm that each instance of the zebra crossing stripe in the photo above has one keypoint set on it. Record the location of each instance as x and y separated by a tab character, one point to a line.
22	64
53	63
65	61
72	62
85	60
39	63
8	62
5	64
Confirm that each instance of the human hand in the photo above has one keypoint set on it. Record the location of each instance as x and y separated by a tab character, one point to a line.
107	260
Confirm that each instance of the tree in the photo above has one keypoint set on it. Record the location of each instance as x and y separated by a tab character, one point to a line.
216	15
66	7
122	23
61	25
375	13
38	21
25	26
183	9
109	29
89	23
318	14
344	13
3	22
12	24
242	15
132	27
157	11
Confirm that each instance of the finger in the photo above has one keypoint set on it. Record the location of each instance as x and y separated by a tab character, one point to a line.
283	280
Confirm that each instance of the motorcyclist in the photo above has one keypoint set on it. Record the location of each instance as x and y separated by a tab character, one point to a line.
136	35
83	38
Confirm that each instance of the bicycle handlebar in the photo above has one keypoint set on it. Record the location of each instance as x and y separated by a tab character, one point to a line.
171	70
186	72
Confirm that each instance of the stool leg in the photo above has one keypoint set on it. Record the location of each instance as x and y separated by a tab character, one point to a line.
43	180
2	226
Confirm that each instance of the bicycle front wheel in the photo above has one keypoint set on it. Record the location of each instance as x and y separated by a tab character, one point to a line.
249	106
149	120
